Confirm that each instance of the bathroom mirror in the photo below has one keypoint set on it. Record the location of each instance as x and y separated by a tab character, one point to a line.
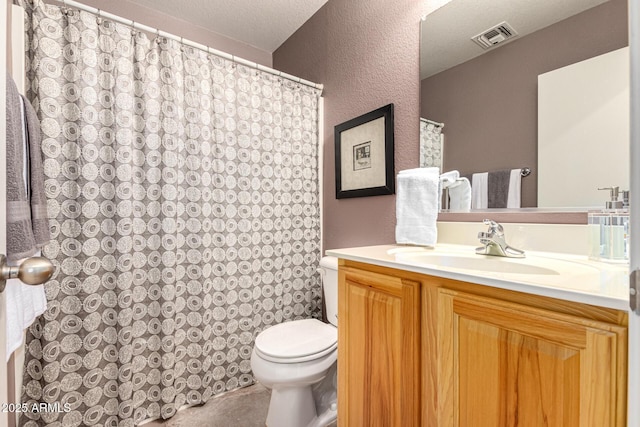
488	99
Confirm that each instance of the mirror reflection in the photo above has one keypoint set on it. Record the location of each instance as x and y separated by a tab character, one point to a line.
544	86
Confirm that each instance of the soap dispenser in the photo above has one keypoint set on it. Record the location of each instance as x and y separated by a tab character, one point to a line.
625	199
609	229
614	203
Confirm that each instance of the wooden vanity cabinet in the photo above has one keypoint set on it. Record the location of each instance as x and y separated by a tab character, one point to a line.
378	350
417	350
506	364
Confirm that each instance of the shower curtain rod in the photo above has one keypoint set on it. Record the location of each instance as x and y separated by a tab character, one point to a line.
432	122
142	27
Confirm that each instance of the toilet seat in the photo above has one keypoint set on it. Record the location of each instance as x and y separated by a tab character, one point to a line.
296	341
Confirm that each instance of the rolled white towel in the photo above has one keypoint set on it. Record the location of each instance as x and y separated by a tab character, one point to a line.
447	179
417	206
460	196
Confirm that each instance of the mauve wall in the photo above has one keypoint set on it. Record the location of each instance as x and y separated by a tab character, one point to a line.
173	25
365	53
489	104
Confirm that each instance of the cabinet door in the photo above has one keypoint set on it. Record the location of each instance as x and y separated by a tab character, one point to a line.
506	364
378	350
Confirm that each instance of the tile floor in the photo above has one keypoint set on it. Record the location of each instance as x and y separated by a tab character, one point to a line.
246	407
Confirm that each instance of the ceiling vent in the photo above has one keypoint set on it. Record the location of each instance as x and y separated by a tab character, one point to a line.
495	35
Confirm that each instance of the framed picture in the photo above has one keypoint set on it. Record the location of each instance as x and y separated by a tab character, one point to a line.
364	155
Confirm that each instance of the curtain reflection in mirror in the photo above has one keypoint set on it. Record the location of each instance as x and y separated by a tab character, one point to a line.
431	142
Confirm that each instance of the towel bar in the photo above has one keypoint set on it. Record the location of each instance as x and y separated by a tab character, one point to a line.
525	171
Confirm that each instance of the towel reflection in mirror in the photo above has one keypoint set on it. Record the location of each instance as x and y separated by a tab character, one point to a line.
496	189
483	190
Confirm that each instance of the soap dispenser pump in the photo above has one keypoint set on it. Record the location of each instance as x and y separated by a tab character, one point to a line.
614	203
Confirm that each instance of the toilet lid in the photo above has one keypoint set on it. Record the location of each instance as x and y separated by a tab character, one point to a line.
297	339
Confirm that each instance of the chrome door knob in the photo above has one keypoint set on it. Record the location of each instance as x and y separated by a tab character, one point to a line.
32	271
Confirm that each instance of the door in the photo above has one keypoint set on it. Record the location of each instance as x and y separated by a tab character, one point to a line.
4	416
506	364
634	315
379	350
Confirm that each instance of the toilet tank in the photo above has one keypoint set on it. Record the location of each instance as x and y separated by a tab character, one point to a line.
329	274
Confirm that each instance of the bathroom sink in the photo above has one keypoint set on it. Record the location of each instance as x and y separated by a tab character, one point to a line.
477	263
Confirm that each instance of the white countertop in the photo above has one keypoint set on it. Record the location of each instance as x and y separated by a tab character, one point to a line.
563	276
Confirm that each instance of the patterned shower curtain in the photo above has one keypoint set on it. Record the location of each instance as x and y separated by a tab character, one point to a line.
430	144
183	195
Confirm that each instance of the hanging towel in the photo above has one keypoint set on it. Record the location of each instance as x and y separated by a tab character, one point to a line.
515	185
479	185
447	179
460	196
498	188
37	196
417	206
27	222
23	302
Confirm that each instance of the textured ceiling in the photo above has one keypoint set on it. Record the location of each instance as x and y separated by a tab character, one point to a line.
264	24
446	33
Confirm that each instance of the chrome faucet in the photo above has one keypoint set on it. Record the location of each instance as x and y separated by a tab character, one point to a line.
494	242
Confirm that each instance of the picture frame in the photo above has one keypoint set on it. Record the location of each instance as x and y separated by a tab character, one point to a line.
364	155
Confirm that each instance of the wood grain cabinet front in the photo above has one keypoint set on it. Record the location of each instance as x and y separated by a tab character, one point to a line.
506	364
418	350
378	350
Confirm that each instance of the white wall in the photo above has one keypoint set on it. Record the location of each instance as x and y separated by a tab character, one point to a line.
583	129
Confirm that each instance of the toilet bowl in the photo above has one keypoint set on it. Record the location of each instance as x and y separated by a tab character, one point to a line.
291	357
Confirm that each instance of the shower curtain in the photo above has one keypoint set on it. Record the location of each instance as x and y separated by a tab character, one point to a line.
430	144
183	195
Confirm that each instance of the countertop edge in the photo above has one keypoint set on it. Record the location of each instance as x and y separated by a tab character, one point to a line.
540	290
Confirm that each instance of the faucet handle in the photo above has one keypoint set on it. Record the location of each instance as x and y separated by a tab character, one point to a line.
494	227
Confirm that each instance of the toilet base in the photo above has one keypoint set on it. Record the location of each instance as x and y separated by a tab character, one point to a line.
326	418
291	407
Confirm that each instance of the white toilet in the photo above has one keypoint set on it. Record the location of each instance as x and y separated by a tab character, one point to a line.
291	357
